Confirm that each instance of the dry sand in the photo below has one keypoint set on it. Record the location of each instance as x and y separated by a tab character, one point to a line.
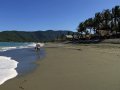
73	67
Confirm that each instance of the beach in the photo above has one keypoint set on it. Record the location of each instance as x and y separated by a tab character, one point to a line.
73	67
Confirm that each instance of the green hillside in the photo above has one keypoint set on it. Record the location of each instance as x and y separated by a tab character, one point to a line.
23	36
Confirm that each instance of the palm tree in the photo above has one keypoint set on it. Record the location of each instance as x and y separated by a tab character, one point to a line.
89	23
106	15
81	28
111	26
119	26
116	16
108	20
98	22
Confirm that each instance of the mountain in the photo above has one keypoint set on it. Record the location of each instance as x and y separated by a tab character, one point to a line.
25	36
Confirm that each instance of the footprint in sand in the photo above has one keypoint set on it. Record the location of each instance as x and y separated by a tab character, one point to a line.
21	87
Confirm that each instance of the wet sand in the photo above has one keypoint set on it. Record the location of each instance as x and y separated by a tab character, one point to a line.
73	67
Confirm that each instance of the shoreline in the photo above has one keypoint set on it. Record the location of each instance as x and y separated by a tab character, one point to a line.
18	62
68	67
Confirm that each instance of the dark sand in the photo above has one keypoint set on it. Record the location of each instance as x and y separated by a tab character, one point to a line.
73	67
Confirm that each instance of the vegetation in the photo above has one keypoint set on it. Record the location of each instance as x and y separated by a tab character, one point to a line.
22	36
105	24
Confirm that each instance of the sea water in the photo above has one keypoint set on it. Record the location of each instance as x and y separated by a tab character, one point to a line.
16	58
4	46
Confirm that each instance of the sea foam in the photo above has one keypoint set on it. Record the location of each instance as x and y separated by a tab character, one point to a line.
7	69
7	48
26	45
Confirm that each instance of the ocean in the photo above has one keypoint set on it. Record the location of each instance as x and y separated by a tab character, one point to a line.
17	59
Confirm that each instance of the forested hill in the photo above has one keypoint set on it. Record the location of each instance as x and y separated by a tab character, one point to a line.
23	36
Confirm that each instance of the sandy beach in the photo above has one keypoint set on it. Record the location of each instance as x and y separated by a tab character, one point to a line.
73	67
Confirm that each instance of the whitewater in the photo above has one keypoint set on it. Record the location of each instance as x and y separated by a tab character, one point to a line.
7	64
7	69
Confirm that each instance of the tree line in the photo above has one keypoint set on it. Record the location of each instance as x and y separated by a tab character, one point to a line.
35	36
105	24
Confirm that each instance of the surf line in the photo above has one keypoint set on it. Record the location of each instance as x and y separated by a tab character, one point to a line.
7	69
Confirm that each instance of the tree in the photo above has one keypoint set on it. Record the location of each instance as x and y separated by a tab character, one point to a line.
116	16
98	22
90	24
81	28
106	15
105	22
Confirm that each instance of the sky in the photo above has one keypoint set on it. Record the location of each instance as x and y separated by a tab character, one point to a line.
33	15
